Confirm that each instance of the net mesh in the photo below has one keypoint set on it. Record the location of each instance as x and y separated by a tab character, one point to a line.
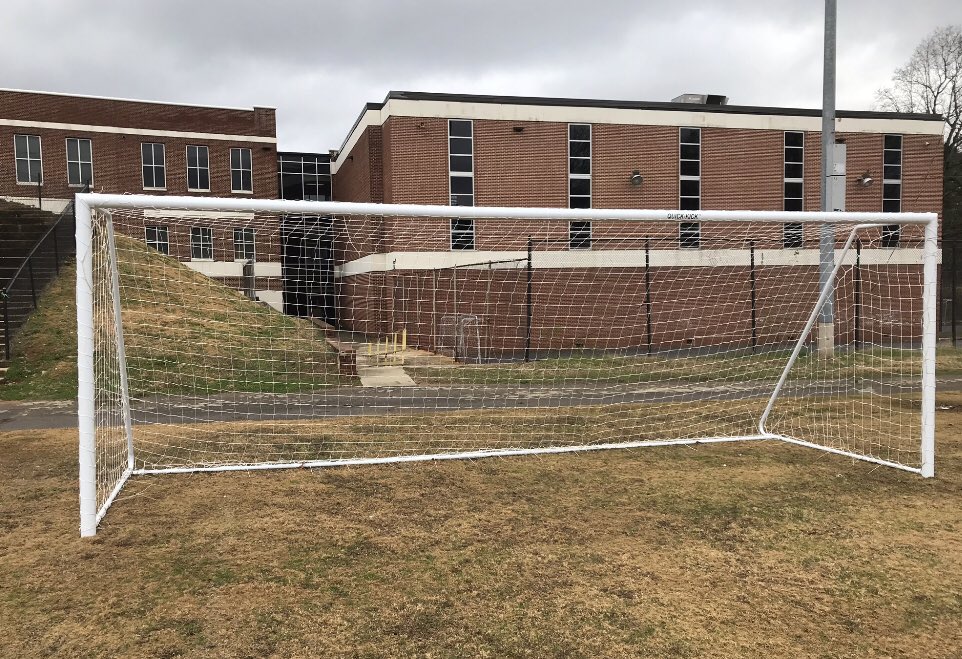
262	338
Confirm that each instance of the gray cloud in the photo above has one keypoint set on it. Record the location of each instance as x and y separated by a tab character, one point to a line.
319	62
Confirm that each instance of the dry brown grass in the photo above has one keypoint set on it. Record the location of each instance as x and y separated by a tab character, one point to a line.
723	551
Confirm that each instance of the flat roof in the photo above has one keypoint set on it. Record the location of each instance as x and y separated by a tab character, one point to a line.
663	106
644	105
135	100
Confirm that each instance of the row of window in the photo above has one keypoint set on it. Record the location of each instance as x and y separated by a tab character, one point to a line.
202	242
80	164
153	156
461	175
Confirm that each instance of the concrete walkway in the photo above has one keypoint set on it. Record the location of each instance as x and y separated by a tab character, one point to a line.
384	376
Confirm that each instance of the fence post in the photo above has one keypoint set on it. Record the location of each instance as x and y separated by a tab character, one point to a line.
751	252
955	249
6	326
648	293
528	311
39	193
33	288
858	292
56	252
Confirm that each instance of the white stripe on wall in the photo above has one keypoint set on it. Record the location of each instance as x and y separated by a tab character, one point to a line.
234	268
660	258
146	132
213	215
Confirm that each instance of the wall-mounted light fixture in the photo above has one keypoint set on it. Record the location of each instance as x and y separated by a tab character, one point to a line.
518	129
865	180
636	179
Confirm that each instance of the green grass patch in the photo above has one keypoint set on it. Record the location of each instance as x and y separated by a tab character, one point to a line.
184	334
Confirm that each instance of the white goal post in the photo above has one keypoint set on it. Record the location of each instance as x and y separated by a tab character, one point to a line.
219	334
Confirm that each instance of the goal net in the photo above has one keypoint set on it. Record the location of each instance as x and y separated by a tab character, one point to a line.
220	334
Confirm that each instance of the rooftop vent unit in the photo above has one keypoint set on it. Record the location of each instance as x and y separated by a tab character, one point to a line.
701	99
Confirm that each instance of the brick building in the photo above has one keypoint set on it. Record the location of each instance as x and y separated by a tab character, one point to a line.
53	145
380	275
422	148
57	143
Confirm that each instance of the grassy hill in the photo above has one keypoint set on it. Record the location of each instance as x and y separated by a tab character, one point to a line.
184	332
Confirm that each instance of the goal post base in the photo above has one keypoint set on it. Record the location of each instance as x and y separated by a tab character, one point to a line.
848	454
466	455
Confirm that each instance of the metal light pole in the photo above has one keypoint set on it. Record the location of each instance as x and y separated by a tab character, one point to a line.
826	243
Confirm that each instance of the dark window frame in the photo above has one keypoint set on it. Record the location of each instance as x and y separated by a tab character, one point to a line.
891	233
29	158
458	136
579	234
693	238
689	202
463	234
79	163
245	244
197	169
793	235
576	145
201	242
237	168
161	236
152	166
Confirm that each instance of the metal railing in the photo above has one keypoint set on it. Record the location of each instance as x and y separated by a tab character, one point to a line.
47	246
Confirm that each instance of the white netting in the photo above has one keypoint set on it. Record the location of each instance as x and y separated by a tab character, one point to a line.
368	337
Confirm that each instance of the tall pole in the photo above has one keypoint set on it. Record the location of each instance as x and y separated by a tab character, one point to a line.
826	243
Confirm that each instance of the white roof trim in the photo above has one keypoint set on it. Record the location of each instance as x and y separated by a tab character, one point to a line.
130	100
147	132
626	116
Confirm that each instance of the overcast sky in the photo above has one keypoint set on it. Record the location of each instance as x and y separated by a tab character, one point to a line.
318	62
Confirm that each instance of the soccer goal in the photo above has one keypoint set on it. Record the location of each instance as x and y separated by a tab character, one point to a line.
223	334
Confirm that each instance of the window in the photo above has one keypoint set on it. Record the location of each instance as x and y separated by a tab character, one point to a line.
461	162
241	179
793	184
579	235
198	169
891	186
304	176
689	235
462	234
793	235
689	184
689	169
80	162
579	182
201	243
27	155
579	165
243	244
154	162
157	238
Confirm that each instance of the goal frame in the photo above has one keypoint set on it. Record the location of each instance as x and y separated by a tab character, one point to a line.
88	203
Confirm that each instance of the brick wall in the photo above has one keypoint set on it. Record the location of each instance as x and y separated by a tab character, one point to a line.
59	108
605	308
117	157
741	169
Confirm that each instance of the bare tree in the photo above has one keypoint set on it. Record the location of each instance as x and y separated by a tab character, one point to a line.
931	82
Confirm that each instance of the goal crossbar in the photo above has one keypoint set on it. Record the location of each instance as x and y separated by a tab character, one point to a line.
93	507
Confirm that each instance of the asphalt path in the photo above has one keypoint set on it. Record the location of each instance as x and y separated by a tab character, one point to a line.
366	401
